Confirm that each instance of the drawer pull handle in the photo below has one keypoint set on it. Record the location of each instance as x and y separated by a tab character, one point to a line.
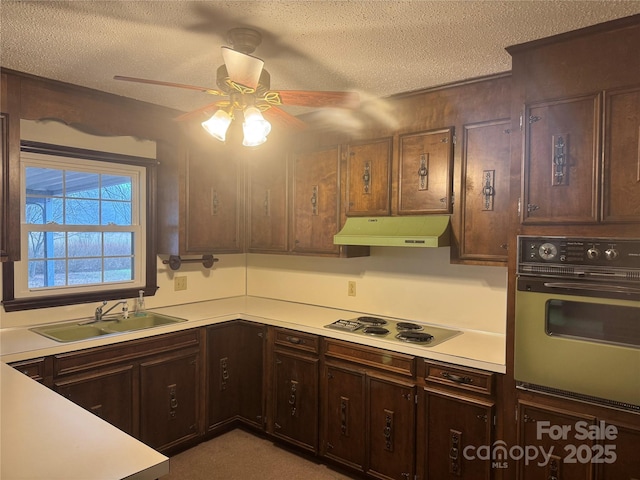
295	340
457	378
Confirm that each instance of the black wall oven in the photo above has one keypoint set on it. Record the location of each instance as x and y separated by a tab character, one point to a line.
577	325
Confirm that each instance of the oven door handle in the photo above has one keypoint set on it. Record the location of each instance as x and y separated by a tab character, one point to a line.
594	288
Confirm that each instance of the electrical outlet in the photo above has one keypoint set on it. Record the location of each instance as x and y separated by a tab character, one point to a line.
351	289
180	283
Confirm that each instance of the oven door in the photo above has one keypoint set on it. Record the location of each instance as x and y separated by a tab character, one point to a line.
571	339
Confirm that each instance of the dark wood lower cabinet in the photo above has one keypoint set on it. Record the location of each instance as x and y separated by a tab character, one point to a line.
344	418
391	432
169	399
369	410
108	393
295	398
553	430
457	429
234	377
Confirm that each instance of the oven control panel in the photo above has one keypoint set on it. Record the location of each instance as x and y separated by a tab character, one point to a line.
605	252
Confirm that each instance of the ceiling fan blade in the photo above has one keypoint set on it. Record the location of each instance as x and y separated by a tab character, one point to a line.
202	111
242	68
303	98
210	91
283	118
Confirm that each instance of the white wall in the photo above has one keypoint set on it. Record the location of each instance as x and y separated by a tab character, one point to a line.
410	283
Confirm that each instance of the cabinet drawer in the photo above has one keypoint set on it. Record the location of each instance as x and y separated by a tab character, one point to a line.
370	356
35	368
460	377
74	362
297	340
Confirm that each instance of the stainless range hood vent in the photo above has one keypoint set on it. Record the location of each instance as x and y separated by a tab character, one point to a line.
410	231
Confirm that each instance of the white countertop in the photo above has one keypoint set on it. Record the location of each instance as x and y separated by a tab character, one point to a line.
472	348
44	436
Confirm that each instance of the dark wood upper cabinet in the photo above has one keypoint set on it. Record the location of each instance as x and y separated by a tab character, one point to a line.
561	160
369	177
4	177
316	181
267	204
214	205
425	172
485	195
621	160
578	99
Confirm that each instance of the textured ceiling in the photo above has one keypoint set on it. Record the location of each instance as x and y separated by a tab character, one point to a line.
377	47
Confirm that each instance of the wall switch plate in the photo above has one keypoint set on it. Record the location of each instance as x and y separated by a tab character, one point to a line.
180	283
351	289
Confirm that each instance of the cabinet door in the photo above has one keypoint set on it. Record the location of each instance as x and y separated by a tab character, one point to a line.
426	163
369	178
315	201
391	432
106	393
295	399
344	419
561	159
554	430
619	457
267	204
484	195
213	209
4	179
456	427
621	193
235	374
169	399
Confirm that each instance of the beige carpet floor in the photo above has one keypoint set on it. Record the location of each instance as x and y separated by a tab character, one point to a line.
238	455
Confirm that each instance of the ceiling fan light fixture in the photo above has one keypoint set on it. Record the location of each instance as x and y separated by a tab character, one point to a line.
218	125
255	127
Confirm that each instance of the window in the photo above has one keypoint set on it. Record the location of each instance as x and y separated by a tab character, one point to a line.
85	230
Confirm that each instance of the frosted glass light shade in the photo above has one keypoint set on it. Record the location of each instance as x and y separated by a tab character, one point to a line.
255	127
218	125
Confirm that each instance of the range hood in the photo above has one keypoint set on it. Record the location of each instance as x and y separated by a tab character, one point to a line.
408	231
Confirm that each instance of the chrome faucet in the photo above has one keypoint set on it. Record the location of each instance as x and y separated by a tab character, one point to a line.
99	313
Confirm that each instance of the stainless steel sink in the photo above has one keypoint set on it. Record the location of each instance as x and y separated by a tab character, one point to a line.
82	330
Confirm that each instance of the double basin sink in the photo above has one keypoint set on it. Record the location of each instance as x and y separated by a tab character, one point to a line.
85	330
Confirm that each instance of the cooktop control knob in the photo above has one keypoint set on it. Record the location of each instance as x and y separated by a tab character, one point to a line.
593	253
547	251
610	254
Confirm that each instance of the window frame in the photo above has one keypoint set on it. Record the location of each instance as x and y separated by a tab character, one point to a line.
11	303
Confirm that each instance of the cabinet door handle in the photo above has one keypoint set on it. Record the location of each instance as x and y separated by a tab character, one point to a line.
314	200
423	172
488	190
293	398
457	378
366	177
214	202
344	416
387	431
267	203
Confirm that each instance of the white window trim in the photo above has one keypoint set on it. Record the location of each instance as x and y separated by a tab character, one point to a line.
138	223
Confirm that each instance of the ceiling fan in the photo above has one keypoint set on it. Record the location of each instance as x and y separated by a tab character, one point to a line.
245	87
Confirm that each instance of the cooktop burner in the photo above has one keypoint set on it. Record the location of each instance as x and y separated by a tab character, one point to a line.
372	320
391	330
414	337
408	326
375	330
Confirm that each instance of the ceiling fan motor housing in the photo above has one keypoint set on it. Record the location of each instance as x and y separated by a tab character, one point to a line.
244	40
